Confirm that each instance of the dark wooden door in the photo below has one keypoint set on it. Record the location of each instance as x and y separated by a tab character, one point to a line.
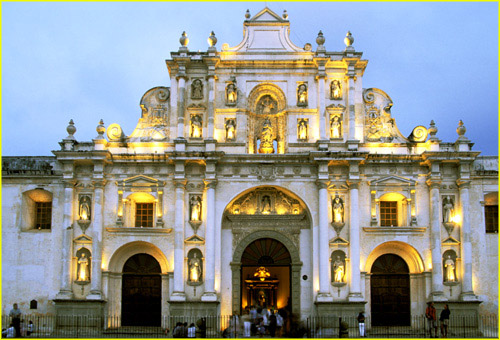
141	291
390	291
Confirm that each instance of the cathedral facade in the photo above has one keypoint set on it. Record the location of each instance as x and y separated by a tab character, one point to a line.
266	175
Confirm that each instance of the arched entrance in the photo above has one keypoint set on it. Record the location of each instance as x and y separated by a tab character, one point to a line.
266	275
141	291
390	291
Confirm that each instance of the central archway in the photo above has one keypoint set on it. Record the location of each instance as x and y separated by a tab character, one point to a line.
141	291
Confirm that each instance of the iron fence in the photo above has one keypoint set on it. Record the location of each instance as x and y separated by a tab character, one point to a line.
219	326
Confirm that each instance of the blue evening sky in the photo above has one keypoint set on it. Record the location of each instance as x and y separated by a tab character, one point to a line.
91	60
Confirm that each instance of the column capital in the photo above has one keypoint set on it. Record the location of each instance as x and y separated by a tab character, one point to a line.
353	183
99	184
68	183
433	183
463	184
322	184
210	183
180	183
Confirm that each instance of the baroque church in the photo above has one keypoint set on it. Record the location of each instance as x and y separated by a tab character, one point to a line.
265	175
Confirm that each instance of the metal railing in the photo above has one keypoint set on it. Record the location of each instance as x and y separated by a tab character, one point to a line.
219	326
459	326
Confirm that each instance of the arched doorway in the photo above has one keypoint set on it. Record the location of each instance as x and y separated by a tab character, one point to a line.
141	291
266	275
390	291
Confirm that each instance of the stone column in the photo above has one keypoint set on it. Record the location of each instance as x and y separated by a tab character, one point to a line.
322	107
65	291
181	94
350	104
97	228
211	105
437	273
467	292
355	283
323	243
178	293
209	294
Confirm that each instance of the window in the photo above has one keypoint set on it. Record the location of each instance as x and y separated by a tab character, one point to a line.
36	210
388	213
491	218
144	215
43	215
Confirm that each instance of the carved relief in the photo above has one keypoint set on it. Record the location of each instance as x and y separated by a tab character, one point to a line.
266	201
267	105
154	121
197	89
379	125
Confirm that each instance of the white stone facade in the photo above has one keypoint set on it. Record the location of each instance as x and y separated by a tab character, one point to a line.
199	137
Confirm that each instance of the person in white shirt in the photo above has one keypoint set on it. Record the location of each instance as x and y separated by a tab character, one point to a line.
192	331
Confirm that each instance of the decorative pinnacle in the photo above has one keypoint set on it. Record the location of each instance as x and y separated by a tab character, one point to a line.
212	40
100	130
285	14
320	40
247	14
348	40
184	40
461	130
71	130
432	130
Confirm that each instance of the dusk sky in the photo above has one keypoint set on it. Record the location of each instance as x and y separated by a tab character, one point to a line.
90	60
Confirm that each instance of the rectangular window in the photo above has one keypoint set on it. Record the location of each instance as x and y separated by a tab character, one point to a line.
43	215
388	213
144	215
491	218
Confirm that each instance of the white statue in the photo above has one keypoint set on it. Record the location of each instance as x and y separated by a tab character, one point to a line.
266	205
449	266
336	90
230	129
338	270
338	210
194	269
448	210
83	270
335	127
231	94
84	208
302	94
303	129
195	204
196	126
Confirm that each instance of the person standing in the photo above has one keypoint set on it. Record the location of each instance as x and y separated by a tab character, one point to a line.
191	331
15	314
361	322
444	318
430	314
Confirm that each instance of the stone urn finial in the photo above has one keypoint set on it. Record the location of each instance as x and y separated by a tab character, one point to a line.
461	129
184	40
212	40
285	14
71	130
247	14
432	129
320	40
348	40
100	130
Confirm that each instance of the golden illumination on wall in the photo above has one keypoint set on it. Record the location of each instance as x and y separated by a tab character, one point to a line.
262	273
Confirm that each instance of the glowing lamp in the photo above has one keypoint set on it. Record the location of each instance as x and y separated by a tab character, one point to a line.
262	273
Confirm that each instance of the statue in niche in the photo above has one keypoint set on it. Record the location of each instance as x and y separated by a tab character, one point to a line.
335	127
448	210
266	137
449	266
338	210
197	89
302	129
267	105
335	90
83	268
231	94
195	208
266	205
338	270
194	269
230	129
196	125
302	95
262	298
84	208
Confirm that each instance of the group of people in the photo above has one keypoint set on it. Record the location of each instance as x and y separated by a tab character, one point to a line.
182	330
444	318
16	329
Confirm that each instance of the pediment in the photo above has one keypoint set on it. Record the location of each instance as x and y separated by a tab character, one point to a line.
83	239
393	181
139	180
451	241
195	239
266	15
338	241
